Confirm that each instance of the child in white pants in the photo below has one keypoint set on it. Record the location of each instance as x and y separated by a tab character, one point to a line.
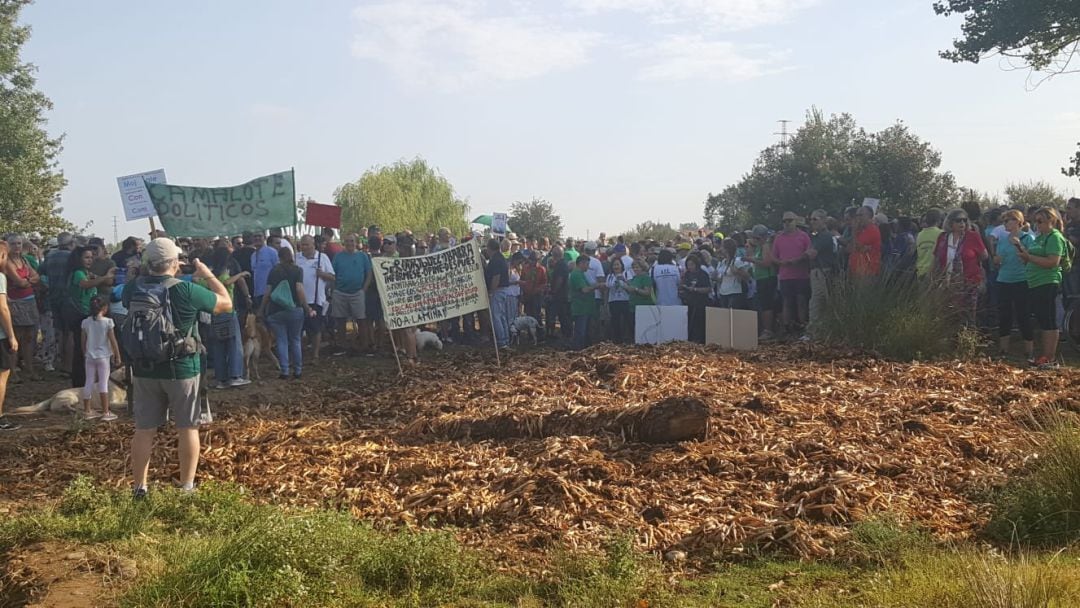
100	349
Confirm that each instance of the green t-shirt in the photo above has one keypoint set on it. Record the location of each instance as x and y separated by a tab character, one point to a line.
581	303
925	243
81	297
762	272
1046	245
187	300
32	261
571	255
640	281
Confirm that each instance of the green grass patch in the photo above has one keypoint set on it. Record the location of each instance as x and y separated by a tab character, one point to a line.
1043	507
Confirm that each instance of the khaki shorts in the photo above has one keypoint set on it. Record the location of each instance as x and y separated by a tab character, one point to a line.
348	305
155	399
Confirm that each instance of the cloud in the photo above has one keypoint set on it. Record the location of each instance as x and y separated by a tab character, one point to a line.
693	57
457	44
723	14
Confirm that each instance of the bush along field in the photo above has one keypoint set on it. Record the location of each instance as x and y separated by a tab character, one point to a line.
219	548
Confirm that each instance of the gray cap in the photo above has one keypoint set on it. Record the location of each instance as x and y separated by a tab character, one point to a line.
160	250
759	231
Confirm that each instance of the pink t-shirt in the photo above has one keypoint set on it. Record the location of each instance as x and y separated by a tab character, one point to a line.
789	245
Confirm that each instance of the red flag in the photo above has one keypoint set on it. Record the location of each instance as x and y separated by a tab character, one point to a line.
326	216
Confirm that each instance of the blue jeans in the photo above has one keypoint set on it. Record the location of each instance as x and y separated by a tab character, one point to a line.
581	331
287	326
228	355
501	301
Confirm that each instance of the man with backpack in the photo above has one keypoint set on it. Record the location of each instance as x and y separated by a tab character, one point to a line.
160	337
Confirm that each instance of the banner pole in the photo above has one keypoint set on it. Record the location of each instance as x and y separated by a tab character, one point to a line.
494	338
153	228
397	357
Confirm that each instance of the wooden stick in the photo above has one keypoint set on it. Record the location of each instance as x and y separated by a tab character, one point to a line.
397	357
494	338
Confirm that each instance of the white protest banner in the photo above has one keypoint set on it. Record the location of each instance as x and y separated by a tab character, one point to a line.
499	224
134	196
872	203
431	288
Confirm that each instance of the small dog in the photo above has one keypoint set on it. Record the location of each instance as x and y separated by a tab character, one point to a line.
71	399
522	325
257	340
425	339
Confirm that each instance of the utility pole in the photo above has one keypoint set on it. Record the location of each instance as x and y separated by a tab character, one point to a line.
115	231
783	133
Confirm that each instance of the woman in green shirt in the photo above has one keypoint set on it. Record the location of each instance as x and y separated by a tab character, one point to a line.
1043	261
640	290
82	285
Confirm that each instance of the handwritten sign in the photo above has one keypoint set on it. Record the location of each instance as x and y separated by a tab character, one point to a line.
431	288
264	202
134	196
499	223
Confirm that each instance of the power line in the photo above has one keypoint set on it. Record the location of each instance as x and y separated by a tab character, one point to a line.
783	133
115	231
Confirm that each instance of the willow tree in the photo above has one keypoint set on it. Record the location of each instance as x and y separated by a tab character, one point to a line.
30	179
406	194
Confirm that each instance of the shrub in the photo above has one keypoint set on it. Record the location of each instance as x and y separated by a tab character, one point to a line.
898	317
1043	507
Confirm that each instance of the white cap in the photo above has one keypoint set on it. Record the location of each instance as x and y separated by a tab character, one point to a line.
590	246
161	249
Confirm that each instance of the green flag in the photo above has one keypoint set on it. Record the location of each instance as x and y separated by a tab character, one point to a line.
265	202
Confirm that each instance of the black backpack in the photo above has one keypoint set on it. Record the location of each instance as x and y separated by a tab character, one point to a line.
149	334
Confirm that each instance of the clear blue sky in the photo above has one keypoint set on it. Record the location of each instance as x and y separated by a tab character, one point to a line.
616	111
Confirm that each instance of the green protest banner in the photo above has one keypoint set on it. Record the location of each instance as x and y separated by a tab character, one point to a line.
264	202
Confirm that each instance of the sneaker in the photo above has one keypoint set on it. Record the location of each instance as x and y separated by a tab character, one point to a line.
91	415
219	386
138	494
109	417
235	382
49	367
7	425
804	338
283	376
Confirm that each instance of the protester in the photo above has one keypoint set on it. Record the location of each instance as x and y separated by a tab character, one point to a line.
9	343
618	301
959	257
533	285
1012	285
765	279
226	343
789	249
516	261
285	306
56	274
170	387
318	275
497	276
82	285
331	247
729	274
99	351
263	259
22	283
665	278
1043	261
694	289
352	280
823	254
558	296
926	242
865	258
582	301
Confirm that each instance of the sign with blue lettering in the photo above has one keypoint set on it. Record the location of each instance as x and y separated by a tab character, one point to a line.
134	196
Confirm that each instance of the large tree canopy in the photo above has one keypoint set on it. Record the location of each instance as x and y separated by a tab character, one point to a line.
536	218
829	163
1043	34
30	180
1033	194
403	195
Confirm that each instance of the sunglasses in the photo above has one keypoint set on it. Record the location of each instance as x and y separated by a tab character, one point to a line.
960	220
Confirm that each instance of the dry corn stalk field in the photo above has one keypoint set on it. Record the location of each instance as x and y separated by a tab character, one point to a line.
546	451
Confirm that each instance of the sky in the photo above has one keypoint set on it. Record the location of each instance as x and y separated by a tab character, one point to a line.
615	111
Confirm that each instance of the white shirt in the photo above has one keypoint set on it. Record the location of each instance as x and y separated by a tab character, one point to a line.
514	288
726	281
97	337
952	245
666	278
616	291
595	273
321	262
628	265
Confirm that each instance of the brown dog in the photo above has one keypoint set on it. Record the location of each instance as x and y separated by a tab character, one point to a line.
257	341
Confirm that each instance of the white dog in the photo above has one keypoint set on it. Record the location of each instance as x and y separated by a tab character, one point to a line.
71	399
427	338
522	325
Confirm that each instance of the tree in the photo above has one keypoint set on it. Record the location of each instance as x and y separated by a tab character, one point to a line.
650	231
1073	170
403	195
689	227
1033	194
536	218
831	163
1043	35
30	178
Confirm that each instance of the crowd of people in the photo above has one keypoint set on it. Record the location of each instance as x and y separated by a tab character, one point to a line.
65	300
